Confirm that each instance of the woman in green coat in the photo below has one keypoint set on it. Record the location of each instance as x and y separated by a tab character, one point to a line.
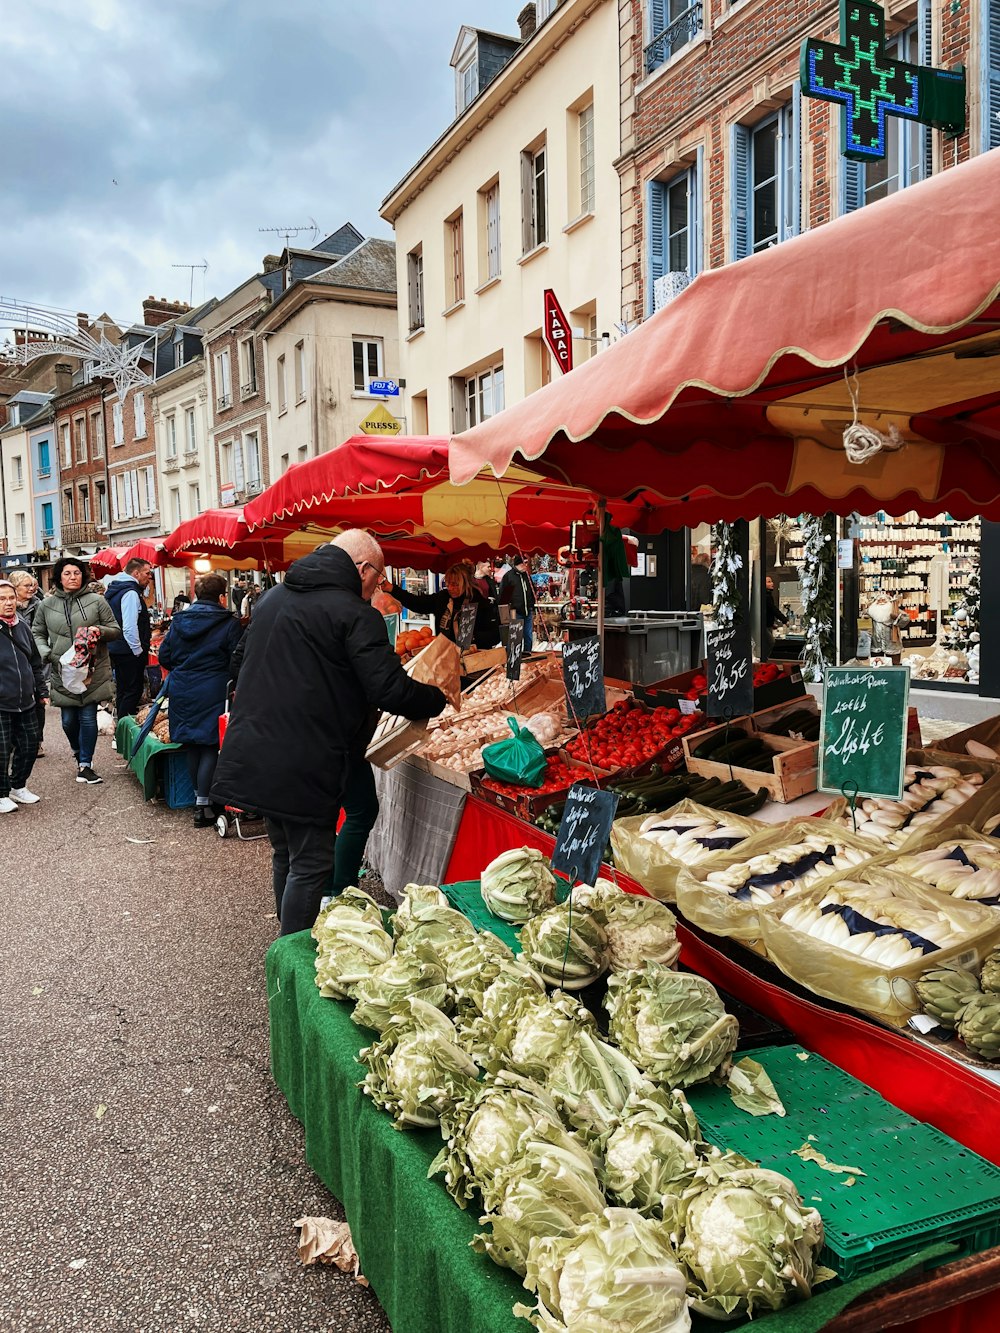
67	609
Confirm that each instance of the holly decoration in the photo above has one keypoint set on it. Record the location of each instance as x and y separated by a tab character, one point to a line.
818	581
725	567
963	625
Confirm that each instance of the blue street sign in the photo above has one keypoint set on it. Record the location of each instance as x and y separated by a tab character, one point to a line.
385	388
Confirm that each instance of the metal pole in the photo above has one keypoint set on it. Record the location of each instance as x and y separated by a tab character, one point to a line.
601	514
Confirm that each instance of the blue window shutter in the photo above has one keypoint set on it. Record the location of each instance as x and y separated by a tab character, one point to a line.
739	216
657	22
656	206
852	185
696	257
794	209
925	56
991	98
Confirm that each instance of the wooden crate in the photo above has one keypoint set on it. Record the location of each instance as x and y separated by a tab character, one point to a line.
527	804
482	659
394	739
763	719
794	767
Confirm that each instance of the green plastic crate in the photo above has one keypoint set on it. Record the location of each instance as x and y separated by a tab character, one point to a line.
466	897
921	1186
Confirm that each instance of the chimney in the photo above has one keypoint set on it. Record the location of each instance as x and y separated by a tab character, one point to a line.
82	321
272	263
526	22
64	377
158	310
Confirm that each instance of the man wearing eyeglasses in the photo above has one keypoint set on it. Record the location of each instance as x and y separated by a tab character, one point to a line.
317	667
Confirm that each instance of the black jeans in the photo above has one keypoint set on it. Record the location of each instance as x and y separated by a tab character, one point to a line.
201	762
130	675
18	747
301	861
360	807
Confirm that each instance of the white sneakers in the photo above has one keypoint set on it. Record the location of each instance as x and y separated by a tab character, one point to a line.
23	796
7	806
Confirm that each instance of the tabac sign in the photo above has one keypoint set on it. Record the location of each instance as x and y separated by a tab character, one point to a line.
556	332
869	85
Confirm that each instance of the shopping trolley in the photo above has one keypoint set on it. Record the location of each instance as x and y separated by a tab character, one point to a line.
232	817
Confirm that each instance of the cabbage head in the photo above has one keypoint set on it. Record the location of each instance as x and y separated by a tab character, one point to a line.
481	1018
470	965
640	930
653	1152
616	1274
483	1134
548	1190
416	897
535	1031
518	884
749	1245
441	928
567	945
671	1024
417	1070
350	944
592	1080
416	972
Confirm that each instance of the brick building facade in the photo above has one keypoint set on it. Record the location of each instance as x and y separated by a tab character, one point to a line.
237	395
721	155
81	460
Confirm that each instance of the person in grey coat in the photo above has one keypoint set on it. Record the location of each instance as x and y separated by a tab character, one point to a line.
66	610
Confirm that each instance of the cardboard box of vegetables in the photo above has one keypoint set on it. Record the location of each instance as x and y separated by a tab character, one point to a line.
727	896
864	941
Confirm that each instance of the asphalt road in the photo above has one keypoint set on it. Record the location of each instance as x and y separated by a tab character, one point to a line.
150	1171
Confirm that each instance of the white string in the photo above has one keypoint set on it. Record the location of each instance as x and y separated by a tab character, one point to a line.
863	442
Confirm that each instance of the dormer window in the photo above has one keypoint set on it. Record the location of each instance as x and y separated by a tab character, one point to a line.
467	76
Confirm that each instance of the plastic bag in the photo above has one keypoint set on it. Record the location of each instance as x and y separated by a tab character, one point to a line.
72	677
520	759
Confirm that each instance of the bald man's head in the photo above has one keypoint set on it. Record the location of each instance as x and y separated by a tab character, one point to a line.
360	545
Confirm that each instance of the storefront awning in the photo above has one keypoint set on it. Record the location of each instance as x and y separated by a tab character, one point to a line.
733	400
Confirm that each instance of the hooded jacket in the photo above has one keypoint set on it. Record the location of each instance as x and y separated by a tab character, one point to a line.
317	666
196	651
115	591
56	621
21	681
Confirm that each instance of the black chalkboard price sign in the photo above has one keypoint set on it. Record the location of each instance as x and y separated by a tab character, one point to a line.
730	670
583	832
583	676
515	649
465	628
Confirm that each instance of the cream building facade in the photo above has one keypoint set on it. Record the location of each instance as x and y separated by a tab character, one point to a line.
519	195
325	339
185	463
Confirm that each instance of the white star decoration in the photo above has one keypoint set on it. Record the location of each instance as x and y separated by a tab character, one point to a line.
119	363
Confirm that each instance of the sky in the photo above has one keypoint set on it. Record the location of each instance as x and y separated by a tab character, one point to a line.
139	135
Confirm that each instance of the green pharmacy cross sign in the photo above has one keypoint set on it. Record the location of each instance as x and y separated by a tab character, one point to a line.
869	85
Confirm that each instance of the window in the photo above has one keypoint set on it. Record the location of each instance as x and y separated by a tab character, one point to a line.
672	24
118	422
194	495
251	455
44	464
455	259
67	450
284	464
543	8
102	506
22	530
190	431
484	395
175	505
907	143
223	382
68	515
415	287
303	452
492	213
990	82
766	173
674	228
226	462
367	363
139	412
586	132
171	428
147	489
80	432
48	529
300	372
534	199
84	509
239	478
282	386
467	81
179	352
248	368
97	435
18	472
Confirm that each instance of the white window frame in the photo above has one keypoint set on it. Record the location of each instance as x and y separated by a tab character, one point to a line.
282	384
22	529
80	432
365	346
194	494
139	413
170	426
223	381
484	394
492	204
83	491
102	505
147	489
467	80
118	423
299	365
534	197
588	176
248	368
97	434
415	287
191	431
252	461
66	444
455	252
68	506
18	482
786	180
176	513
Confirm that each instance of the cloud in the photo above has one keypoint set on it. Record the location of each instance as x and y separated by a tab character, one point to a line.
137	137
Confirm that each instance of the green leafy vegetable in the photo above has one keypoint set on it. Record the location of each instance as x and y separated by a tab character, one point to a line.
518	884
751	1089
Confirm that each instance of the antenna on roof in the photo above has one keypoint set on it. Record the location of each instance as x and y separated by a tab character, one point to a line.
289	233
204	268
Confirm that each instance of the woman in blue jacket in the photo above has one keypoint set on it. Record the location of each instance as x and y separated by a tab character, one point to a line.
196	652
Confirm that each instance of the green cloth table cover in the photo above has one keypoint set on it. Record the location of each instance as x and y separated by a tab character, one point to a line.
144	764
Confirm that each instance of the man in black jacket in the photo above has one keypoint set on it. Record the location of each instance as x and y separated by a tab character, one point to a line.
517	593
317	667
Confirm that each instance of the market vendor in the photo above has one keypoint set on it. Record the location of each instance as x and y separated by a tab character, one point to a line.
446	606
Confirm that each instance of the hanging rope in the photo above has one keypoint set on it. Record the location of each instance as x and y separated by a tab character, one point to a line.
863	442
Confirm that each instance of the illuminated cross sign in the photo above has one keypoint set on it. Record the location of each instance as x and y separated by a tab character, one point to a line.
869	85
